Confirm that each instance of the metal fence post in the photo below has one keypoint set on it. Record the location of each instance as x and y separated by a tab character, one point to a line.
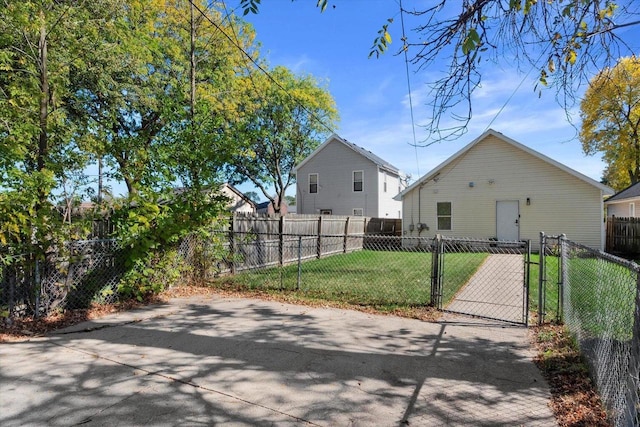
436	298
299	261
542	277
563	275
232	251
633	374
527	276
37	288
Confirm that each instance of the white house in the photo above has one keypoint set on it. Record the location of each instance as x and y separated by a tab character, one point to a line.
341	178
498	188
624	203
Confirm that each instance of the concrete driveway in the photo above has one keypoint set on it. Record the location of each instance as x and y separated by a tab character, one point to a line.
222	361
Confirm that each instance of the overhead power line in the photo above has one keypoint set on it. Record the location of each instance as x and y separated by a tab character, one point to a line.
406	65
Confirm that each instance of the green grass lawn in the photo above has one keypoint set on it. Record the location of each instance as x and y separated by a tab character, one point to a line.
373	278
601	294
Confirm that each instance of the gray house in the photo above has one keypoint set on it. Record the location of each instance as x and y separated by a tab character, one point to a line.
341	178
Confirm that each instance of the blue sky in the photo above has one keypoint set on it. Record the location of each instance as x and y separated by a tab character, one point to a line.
372	94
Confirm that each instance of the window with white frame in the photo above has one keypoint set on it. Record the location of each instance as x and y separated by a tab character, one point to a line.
444	215
632	210
313	183
358	212
358	177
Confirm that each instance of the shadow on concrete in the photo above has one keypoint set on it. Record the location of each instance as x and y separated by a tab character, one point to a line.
248	362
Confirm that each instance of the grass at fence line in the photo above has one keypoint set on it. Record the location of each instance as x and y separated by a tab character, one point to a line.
551	295
385	279
602	298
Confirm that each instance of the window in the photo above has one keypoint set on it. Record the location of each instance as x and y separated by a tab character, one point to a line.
325	211
357	180
358	212
313	183
444	215
385	182
632	210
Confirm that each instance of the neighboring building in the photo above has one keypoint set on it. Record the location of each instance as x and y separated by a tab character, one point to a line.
238	201
498	188
267	208
340	178
626	203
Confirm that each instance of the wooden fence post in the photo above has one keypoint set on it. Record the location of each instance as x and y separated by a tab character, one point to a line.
346	233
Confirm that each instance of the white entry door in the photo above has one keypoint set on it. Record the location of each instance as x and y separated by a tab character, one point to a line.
508	220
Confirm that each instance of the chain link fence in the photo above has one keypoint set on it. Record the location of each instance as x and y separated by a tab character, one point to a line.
596	294
355	269
600	305
80	273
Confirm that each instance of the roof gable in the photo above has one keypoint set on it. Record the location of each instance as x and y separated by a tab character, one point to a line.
359	150
631	192
605	189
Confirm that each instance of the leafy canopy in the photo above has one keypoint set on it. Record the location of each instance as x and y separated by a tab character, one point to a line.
610	113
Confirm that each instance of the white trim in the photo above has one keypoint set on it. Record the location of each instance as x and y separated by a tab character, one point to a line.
632	210
317	183
431	174
450	216
361	151
353	181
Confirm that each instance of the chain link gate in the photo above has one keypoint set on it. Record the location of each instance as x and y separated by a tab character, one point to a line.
481	278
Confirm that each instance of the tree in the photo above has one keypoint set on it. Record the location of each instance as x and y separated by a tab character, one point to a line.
565	41
610	113
163	99
286	119
40	43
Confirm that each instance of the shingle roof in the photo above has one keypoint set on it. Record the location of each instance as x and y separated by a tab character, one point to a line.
630	192
362	151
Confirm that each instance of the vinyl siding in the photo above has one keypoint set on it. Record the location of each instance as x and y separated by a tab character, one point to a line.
388	207
621	208
560	202
334	165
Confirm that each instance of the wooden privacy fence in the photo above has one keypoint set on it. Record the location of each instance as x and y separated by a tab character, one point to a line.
263	240
623	235
314	225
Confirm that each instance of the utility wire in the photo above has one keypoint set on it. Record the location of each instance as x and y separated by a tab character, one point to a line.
259	67
406	65
517	88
